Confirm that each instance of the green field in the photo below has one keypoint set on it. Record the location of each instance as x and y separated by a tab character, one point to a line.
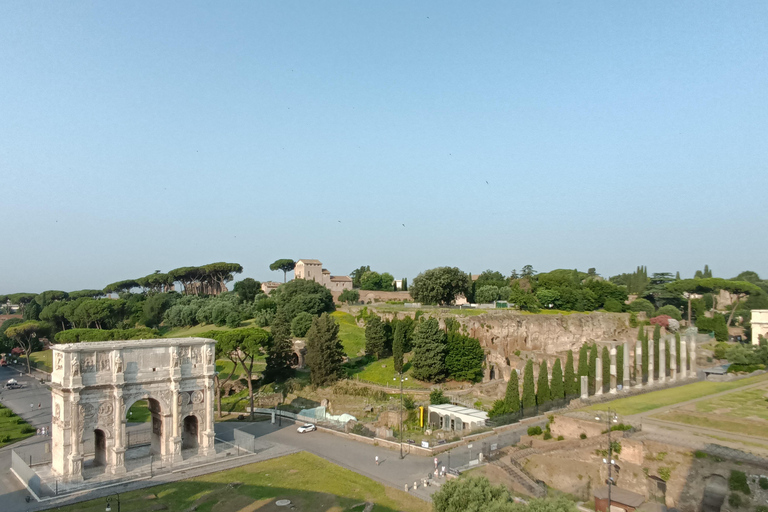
383	372
740	412
351	335
10	428
311	483
225	366
138	413
654	400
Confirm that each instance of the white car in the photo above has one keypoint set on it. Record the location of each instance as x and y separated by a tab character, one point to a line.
306	428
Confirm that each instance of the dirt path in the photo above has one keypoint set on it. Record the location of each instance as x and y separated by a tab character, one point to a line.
666	408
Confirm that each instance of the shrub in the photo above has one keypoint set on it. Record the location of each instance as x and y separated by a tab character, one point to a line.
720	350
761	508
408	402
644	305
582	436
436	397
633	319
621	427
5	438
20	421
671	311
700	454
735	500
28	429
665	473
612	305
560	438
547	435
763	482
738	482
534	431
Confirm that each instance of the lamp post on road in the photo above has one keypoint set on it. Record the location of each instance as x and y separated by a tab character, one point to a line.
610	418
401	411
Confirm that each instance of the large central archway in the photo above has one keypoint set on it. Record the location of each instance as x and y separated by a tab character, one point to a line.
96	385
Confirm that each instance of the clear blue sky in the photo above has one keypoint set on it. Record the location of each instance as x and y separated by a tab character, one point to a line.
137	136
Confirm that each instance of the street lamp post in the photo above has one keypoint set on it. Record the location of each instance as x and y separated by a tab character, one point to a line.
401	412
611	418
109	498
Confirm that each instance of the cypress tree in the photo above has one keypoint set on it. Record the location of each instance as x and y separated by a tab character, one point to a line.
656	340
667	357
620	365
397	346
512	398
606	362
644	362
375	337
542	387
429	349
592	367
583	365
569	381
556	387
280	350
325	353
529	392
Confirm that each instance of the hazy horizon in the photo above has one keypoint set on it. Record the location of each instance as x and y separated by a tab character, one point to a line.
140	137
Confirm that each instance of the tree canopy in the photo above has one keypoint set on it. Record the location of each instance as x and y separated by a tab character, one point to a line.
285	264
440	285
302	295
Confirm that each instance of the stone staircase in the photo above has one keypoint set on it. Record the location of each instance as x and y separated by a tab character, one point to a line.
518	474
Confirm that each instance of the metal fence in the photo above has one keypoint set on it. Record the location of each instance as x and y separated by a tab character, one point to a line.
138	437
529	412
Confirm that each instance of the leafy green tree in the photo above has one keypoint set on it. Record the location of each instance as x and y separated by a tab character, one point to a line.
556	387
606	363
512	397
280	350
246	345
613	306
154	307
464	357
405	284
398	343
53	313
285	264
436	397
26	335
491	278
50	296
302	295
473	494
543	395
375	337
349	296
325	353
440	285
644	305
529	392
357	275
592	367
688	287
22	299
247	289
670	311
569	379
121	286
620	364
91	294
32	311
527	271
301	323
487	294
429	348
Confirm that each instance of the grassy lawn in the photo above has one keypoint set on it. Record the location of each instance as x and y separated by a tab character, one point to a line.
225	367
139	412
737	412
311	483
663	398
351	335
10	427
42	360
383	372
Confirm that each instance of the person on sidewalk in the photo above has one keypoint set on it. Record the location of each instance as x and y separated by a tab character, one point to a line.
377	460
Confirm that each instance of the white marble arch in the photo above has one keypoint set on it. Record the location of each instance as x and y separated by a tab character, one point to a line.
93	384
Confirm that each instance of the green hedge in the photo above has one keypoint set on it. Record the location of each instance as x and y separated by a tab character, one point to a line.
78	335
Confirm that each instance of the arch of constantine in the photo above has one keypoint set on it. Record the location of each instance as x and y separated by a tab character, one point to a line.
93	384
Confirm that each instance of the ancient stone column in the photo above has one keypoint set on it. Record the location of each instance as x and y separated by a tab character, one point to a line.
673	358
663	359
75	458
175	442
625	384
118	456
683	360
639	363
614	375
650	362
584	387
690	338
599	377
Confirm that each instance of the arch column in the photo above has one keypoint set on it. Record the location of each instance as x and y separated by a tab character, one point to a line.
75	459
174	443
118	446
209	434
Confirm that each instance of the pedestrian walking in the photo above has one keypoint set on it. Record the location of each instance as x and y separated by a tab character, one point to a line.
39	405
435	462
377	460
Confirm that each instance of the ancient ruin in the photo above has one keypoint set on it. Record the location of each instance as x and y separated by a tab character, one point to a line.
94	384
